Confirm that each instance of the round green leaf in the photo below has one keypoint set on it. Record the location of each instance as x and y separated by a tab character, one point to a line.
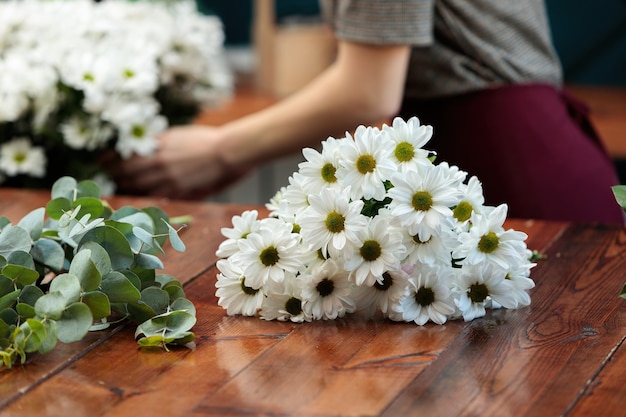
57	206
88	188
21	258
30	294
139	312
74	323
119	289
83	267
8	300
68	285
9	316
64	187
33	223
49	253
99	257
148	261
13	239
183	304
98	303
35	334
114	242
156	298
25	310
20	274
88	205
6	286
51	337
51	305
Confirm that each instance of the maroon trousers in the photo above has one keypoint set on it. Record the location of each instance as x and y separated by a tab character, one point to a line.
531	146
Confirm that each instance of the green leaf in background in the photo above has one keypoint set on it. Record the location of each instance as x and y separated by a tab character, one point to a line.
620	195
33	223
64	187
13	239
57	207
88	188
88	205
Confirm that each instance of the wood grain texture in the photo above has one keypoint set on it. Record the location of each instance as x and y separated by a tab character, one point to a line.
562	355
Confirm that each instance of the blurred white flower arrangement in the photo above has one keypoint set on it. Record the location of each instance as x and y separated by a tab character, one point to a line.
78	77
370	223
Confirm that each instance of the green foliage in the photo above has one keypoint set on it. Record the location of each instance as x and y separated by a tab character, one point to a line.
84	267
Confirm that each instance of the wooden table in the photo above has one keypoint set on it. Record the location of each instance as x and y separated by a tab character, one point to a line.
563	355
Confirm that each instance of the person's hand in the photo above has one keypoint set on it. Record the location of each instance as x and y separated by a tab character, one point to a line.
187	164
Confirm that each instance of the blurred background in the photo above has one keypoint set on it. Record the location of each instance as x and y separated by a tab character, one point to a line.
275	46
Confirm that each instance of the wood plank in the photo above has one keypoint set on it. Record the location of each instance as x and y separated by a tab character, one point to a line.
606	391
534	361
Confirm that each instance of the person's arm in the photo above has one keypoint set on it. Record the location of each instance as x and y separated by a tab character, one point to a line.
363	86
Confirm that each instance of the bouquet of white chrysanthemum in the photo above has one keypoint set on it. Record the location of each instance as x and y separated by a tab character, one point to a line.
371	223
78	77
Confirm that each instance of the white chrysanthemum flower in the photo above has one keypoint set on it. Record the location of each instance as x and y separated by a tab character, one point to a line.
295	197
519	277
86	133
477	285
13	91
365	163
408	139
422	199
270	253
488	242
472	201
437	250
381	250
274	205
140	137
233	293
384	295
243	225
331	223
19	156
284	303
327	292
428	295
320	168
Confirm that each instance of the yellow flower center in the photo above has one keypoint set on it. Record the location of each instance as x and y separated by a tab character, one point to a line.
328	173
422	201
488	242
404	151
365	163
335	222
